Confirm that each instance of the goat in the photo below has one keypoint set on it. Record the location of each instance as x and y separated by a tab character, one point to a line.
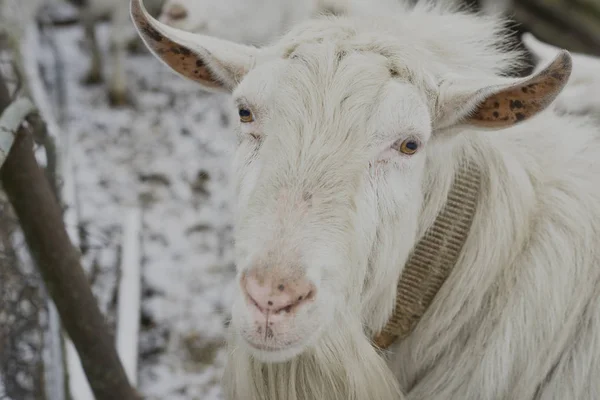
580	96
264	20
357	136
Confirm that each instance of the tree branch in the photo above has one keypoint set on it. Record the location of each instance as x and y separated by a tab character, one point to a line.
10	120
58	261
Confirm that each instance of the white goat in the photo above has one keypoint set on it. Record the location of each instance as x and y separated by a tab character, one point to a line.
582	93
255	22
352	131
251	22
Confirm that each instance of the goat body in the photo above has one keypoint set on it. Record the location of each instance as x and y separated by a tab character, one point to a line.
351	132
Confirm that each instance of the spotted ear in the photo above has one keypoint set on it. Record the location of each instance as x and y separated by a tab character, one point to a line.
216	64
504	104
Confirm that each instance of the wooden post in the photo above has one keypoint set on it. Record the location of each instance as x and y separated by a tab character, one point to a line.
40	217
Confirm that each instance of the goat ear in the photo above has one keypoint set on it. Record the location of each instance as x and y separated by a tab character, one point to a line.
504	104
217	65
542	52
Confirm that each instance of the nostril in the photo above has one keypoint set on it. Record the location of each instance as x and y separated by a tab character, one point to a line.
301	300
286	309
269	293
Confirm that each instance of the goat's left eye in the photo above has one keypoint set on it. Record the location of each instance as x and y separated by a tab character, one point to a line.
245	115
407	146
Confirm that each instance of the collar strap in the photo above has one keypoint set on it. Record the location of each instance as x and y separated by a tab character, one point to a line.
434	257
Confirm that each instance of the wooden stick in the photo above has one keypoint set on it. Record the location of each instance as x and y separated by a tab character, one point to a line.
128	312
41	220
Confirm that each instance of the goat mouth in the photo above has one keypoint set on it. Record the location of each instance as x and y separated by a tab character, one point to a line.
268	347
282	352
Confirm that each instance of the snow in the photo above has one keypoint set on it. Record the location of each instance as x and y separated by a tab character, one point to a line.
170	155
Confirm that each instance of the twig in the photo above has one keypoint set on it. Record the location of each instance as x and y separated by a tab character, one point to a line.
60	171
59	69
58	261
10	120
79	389
129	295
55	376
49	137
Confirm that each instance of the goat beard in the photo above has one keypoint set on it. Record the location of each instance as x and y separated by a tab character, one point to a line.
342	365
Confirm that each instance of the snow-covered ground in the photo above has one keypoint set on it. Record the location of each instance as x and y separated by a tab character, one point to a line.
170	153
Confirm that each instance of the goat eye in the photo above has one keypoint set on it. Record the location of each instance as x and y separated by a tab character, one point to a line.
407	146
245	115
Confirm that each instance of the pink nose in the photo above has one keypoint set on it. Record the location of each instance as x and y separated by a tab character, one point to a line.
274	294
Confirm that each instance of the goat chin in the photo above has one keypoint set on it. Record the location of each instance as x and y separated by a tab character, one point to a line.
343	365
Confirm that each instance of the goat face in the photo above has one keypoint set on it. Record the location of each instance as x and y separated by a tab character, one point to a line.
330	166
329	158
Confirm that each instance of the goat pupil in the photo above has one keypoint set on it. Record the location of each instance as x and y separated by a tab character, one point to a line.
412	145
244	113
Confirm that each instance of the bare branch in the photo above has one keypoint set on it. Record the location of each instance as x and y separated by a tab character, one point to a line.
58	261
130	294
10	120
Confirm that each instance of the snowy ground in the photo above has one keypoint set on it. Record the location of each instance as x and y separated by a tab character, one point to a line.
170	153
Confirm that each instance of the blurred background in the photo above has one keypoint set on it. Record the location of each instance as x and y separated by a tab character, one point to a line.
139	159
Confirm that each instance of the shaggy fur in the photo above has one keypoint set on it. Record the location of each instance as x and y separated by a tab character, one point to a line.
320	191
263	19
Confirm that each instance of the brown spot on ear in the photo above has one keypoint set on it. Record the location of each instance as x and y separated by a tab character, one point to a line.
523	100
178	57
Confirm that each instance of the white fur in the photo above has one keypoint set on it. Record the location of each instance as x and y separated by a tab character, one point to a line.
256	22
244	21
320	191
